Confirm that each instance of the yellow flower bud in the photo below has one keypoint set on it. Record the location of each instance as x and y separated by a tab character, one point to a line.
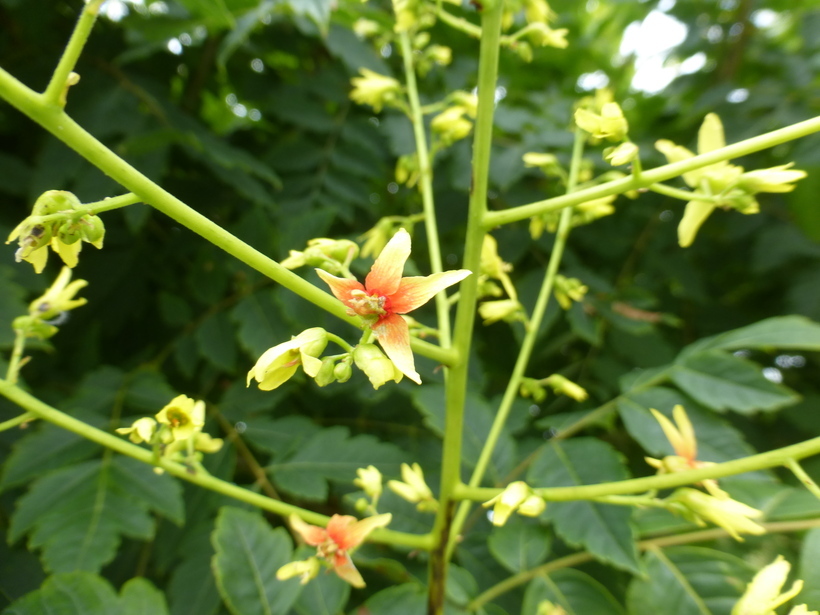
733	516
278	364
414	489
625	153
609	124
375	365
370	481
511	499
508	310
565	386
374	89
59	297
306	570
142	430
762	595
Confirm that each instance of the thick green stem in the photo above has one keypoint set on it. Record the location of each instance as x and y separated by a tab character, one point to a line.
55	93
647	178
527	345
762	461
426	186
465	316
57	122
114	443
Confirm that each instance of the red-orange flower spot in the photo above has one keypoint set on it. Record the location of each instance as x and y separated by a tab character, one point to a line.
334	543
386	294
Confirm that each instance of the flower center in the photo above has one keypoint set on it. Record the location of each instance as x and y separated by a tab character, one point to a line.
364	304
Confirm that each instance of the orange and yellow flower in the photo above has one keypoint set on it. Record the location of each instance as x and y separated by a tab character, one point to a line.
385	295
334	543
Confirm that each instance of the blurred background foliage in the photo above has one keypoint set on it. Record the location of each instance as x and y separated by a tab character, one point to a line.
241	109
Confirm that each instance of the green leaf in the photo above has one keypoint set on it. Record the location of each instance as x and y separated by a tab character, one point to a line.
280	437
248	554
575	591
12	295
723	382
717	439
688	581
192	588
317	11
139	597
332	454
604	530
215	338
786	332
260	323
78	514
809	571
47	448
406	599
478	419
73	593
519	546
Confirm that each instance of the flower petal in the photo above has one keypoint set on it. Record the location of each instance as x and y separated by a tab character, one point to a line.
385	275
394	336
353	534
344	567
340	287
312	534
416	291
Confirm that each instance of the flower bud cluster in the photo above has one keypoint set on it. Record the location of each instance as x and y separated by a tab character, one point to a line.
175	432
334	255
493	267
454	123
55	222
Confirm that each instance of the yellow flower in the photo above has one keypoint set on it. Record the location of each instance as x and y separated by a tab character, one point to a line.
625	153
377	367
762	596
508	310
451	125
278	364
775	179
414	489
374	89
568	290
516	497
565	386
370	481
306	570
609	124
59	297
183	416
685	444
733	516
141	431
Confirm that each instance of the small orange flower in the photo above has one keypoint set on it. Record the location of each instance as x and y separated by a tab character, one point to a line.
334	543
385	295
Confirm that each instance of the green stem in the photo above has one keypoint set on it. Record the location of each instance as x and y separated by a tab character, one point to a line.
13	372
683	195
55	93
114	443
458	23
426	186
659	174
72	134
762	461
528	344
94	208
17	420
339	342
465	316
804	478
576	559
